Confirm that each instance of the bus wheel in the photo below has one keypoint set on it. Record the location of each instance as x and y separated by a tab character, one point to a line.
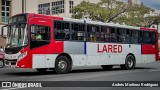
41	69
62	65
1	64
107	67
129	63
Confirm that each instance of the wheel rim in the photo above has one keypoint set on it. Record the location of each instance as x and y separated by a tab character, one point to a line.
130	62
1	63
62	65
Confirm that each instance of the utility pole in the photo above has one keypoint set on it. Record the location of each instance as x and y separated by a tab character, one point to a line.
22	6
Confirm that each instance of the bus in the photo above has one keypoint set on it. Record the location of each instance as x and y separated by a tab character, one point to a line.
56	43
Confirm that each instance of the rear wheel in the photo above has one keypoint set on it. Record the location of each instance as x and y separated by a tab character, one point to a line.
130	63
62	65
41	69
107	67
1	63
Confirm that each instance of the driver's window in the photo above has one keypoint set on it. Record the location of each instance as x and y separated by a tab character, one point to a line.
40	36
39	33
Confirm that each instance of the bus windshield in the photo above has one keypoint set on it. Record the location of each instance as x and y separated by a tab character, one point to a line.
17	35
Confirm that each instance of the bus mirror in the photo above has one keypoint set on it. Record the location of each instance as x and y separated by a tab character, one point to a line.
2	31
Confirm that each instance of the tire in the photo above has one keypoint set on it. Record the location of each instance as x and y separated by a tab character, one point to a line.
107	67
1	63
130	63
41	69
62	65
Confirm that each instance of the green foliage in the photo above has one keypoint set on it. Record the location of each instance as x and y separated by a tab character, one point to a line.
115	11
90	10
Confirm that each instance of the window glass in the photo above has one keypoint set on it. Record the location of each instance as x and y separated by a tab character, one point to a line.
119	34
153	38
57	7
126	35
140	37
93	33
78	31
147	37
112	35
105	34
40	35
44	8
62	31
134	36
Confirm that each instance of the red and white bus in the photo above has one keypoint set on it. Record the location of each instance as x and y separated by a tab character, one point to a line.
50	42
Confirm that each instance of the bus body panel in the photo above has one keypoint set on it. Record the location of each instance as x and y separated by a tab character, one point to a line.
94	55
44	61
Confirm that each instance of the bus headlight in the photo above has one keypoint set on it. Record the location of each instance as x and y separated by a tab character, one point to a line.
21	56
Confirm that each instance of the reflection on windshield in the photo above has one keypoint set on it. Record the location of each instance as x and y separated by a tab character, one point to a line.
17	35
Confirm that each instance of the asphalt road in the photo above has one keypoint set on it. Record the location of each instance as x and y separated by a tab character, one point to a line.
142	72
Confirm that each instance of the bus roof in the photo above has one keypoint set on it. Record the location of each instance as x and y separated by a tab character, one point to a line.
89	22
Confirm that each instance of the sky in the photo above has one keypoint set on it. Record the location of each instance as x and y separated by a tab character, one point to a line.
155	4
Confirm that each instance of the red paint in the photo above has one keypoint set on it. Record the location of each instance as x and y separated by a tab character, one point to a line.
115	48
51	48
151	49
109	49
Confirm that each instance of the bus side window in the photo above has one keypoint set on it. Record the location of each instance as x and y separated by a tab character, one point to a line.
147	37
78	31
113	35
61	30
140	37
134	37
93	33
119	35
153	38
128	36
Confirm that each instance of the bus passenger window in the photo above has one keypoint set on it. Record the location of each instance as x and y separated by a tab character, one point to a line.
119	35
62	31
140	37
153	38
112	35
147	37
93	33
134	36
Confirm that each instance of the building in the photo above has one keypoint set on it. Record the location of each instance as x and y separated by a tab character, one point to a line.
59	7
11	7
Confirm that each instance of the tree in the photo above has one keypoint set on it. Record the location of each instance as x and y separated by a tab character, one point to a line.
150	20
135	15
90	10
117	12
106	10
114	8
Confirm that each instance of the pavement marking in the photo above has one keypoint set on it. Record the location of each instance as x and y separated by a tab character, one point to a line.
13	88
156	70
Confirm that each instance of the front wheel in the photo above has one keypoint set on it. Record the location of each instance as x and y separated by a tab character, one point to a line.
1	64
62	65
130	63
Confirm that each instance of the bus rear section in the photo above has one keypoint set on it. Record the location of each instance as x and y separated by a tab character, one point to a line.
150	44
